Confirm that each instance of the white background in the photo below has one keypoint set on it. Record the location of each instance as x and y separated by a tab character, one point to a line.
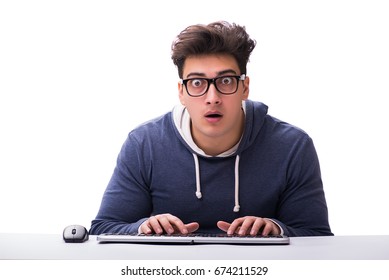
77	76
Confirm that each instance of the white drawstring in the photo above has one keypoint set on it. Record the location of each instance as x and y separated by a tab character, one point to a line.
197	168
198	186
237	206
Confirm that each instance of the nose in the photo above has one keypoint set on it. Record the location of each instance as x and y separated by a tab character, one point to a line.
213	96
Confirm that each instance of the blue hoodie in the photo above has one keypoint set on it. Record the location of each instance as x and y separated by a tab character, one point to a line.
273	172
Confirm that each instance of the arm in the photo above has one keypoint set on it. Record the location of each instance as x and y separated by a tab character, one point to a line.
127	206
302	207
126	203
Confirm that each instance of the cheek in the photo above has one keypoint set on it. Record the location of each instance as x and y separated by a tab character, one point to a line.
234	105
191	109
194	111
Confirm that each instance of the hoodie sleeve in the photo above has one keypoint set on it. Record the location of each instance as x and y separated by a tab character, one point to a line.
303	209
126	202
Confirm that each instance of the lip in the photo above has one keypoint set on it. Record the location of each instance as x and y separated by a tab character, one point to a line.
213	116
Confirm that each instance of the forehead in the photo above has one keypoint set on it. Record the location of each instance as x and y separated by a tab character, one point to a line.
209	65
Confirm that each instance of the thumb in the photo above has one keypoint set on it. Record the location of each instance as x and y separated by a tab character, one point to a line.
223	225
191	227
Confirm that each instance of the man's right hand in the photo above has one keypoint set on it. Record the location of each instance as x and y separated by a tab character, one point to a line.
166	223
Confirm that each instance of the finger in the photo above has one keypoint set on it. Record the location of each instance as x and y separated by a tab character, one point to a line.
246	226
177	225
235	226
267	229
256	227
223	225
169	223
154	225
270	228
145	228
191	227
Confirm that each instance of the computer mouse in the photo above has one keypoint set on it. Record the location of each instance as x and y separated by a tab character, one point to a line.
75	234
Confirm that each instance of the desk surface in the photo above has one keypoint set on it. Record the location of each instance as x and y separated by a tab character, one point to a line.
51	246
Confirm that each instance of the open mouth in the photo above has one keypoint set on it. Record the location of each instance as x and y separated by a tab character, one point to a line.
213	116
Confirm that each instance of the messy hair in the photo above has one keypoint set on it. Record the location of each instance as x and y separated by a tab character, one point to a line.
215	38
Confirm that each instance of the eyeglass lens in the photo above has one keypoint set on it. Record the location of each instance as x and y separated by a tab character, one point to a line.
225	85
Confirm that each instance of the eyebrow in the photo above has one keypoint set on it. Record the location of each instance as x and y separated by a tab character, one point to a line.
199	74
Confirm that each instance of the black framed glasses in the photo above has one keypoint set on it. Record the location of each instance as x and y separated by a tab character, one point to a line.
227	85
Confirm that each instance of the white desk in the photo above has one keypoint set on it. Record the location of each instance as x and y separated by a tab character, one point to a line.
52	247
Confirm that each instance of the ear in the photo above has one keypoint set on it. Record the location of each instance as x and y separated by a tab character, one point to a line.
246	88
181	93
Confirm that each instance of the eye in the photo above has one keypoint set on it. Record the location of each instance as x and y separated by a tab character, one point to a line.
196	83
226	80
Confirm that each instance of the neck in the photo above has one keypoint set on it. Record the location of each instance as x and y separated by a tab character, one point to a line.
216	145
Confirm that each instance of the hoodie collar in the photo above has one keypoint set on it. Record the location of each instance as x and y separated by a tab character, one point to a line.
182	122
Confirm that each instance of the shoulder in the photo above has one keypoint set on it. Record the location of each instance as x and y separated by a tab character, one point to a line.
146	137
287	137
259	122
156	127
284	128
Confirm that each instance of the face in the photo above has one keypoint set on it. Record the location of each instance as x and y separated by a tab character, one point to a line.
217	119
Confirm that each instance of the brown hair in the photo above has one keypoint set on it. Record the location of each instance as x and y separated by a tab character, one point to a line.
215	38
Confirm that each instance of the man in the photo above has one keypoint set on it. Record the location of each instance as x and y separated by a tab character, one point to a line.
218	162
